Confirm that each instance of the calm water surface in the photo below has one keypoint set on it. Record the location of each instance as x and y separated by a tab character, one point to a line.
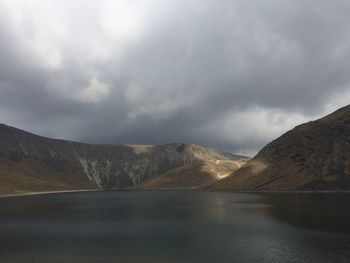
175	226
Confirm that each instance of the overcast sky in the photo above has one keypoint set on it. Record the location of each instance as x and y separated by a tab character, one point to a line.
229	74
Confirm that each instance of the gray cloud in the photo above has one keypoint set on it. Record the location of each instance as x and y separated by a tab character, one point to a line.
226	74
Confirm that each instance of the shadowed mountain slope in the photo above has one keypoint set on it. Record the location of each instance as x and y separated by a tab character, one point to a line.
312	156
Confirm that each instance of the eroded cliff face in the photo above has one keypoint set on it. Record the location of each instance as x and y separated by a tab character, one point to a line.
40	162
129	165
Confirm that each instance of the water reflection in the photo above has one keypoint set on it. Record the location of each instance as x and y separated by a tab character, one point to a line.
319	211
174	226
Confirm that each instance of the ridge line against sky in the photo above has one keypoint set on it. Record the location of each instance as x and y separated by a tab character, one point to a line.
227	74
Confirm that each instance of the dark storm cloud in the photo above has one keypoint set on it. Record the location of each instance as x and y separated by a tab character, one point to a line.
226	74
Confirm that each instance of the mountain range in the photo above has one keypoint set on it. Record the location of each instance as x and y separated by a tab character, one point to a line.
314	156
30	162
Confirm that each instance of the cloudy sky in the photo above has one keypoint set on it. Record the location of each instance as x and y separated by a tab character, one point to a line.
229	74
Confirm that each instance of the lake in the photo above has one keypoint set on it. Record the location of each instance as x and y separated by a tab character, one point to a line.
175	226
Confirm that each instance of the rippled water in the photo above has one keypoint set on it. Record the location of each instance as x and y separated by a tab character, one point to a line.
175	226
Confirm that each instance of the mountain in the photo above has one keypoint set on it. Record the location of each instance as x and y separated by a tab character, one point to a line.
33	163
194	175
312	156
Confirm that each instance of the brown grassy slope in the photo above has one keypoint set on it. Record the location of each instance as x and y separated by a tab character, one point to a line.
30	176
30	163
312	156
193	175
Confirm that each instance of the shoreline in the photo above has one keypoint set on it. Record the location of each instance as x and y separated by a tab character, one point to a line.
177	189
279	191
49	192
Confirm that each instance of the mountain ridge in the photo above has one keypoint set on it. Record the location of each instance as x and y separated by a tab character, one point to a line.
33	162
312	156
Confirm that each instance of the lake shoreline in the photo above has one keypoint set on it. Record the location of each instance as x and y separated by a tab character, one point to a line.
174	189
280	191
49	192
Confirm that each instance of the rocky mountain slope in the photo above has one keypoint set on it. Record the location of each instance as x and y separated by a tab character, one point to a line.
33	163
312	156
194	175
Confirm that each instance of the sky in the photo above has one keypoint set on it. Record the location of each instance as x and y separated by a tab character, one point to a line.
227	74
